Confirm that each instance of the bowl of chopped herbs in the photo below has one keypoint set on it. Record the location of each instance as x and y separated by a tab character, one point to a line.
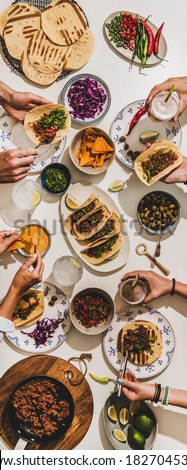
55	178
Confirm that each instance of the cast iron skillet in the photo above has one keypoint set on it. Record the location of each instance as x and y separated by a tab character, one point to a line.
23	427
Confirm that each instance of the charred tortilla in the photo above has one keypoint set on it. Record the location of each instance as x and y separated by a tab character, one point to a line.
29	309
157	162
146	340
102	250
88	225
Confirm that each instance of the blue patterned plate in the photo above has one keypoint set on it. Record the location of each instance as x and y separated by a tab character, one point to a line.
168	130
60	310
128	315
12	136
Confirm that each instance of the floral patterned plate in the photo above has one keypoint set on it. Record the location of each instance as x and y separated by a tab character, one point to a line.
128	315
12	136
60	310
168	130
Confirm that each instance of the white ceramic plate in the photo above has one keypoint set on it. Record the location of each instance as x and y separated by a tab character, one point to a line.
12	136
101	84
60	310
167	130
153	59
123	402
145	314
81	192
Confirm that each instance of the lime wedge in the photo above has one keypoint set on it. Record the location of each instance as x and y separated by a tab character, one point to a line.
36	198
116	186
71	202
119	435
124	416
135	280
112	414
134	407
76	263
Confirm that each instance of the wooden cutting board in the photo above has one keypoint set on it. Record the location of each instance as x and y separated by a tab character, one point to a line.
53	367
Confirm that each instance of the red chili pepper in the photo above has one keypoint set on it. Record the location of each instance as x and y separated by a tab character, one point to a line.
137	117
151	40
157	39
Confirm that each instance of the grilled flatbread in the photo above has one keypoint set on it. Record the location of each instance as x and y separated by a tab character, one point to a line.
102	250
13	11
19	29
80	51
88	206
142	357
36	113
88	225
30	306
34	75
44	55
63	23
150	177
110	228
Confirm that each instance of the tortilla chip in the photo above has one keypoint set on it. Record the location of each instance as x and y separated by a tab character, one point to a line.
20	243
100	160
101	145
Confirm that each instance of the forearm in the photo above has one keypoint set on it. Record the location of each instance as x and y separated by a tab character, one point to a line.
176	397
9	303
5	93
181	289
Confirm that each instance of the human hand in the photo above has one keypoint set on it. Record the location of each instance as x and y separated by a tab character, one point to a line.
24	278
20	103
180	87
15	164
135	390
158	285
7	237
178	175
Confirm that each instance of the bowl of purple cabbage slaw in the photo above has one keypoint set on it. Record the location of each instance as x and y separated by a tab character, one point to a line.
87	98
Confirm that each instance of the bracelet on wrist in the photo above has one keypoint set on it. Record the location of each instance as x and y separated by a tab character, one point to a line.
172	292
166	395
157	393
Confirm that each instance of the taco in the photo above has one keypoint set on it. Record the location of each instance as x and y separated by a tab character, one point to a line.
88	206
157	162
47	124
146	340
102	250
88	225
111	227
29	309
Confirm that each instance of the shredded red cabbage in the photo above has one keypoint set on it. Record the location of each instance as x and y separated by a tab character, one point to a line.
86	97
44	330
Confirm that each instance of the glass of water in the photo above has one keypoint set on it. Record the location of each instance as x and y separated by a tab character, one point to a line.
26	194
67	271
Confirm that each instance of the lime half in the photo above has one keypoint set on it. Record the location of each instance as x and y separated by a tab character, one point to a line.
112	414
71	202
119	435
124	416
116	186
36	198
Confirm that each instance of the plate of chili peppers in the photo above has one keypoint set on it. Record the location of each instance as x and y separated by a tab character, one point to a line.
131	123
136	38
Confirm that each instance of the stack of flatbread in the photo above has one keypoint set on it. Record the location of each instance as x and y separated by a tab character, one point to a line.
47	43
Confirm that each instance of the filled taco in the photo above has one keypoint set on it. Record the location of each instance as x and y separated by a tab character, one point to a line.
88	225
111	227
88	206
157	162
47	124
145	340
102	250
29	309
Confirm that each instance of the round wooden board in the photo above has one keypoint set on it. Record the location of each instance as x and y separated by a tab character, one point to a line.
53	367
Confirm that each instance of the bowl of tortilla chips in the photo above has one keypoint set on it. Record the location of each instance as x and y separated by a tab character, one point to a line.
92	150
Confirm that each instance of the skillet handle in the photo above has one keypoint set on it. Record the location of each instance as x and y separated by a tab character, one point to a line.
21	444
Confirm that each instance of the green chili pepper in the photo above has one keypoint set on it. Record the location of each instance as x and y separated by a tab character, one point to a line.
103	380
144	52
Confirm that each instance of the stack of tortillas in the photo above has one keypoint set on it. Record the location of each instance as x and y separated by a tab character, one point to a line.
47	43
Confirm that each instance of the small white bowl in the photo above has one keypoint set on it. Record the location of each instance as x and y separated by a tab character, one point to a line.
75	145
93	330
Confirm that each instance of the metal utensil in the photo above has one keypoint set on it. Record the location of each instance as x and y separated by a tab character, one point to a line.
142	249
158	245
123	370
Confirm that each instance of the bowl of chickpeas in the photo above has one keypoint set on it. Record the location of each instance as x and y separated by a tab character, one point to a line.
157	211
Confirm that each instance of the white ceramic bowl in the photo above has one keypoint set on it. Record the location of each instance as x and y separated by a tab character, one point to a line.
93	330
75	145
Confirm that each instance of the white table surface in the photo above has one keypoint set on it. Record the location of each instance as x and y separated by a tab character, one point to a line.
125	87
